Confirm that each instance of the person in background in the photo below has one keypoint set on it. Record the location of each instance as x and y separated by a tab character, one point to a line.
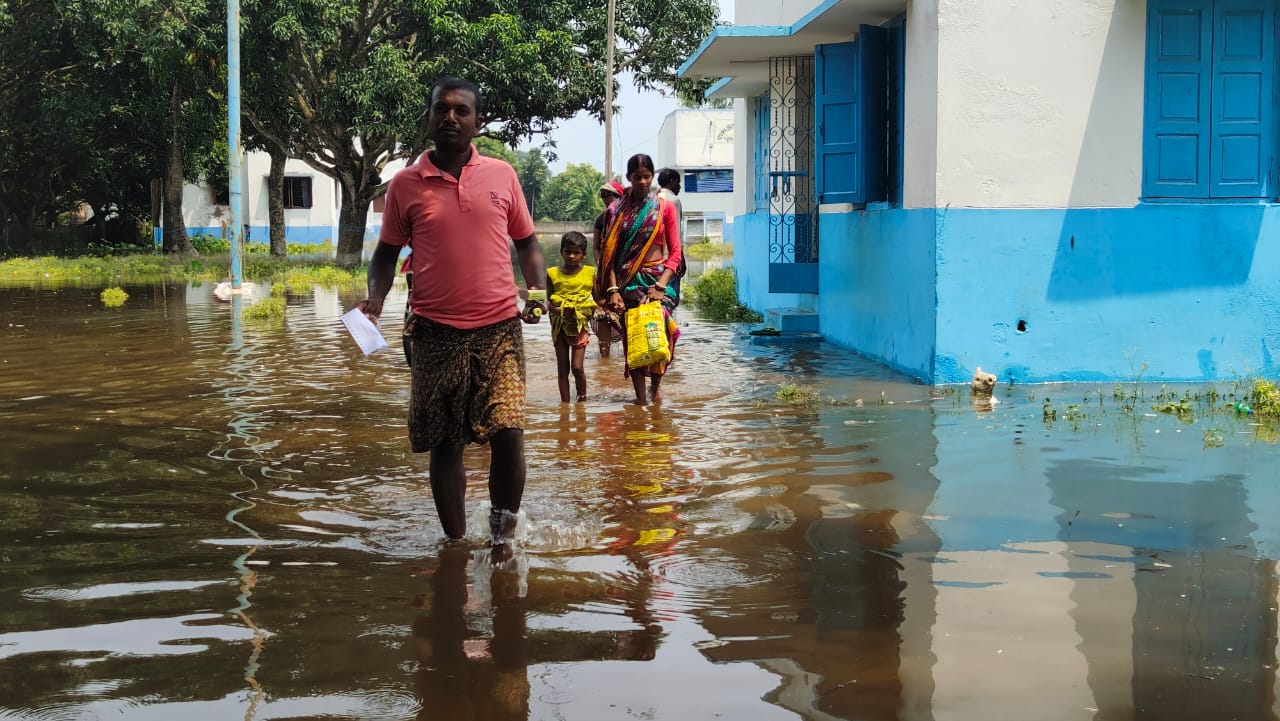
605	321
572	300
455	209
669	190
641	253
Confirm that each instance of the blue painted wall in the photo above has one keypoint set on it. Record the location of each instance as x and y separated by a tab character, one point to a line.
876	285
1193	290
751	263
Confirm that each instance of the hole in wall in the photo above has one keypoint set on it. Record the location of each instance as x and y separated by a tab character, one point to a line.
1022	326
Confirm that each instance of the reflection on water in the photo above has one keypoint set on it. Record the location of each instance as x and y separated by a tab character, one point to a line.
209	519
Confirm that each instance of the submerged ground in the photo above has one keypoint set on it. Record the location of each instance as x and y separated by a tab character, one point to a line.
209	518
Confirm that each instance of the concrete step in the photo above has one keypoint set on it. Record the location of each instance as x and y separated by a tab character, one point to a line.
791	320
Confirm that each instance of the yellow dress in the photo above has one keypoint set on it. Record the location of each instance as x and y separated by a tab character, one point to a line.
571	292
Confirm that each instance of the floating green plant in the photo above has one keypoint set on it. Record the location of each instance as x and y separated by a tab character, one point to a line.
268	309
1183	409
114	297
1214	438
279	290
798	394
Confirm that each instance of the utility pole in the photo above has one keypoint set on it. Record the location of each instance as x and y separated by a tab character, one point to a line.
608	98
233	139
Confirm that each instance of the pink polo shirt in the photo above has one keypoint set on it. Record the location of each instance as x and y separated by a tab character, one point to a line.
458	230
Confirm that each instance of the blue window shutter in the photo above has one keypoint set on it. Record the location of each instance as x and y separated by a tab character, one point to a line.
873	71
762	152
1242	133
851	115
897	80
1176	143
838	162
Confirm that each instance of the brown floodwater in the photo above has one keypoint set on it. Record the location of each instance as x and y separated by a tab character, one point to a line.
203	518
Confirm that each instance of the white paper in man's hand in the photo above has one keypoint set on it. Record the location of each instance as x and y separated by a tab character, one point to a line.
365	333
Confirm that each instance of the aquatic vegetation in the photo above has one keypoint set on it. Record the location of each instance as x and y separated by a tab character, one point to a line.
715	293
1264	398
1181	408
1050	414
279	290
707	251
796	394
114	297
1214	438
268	309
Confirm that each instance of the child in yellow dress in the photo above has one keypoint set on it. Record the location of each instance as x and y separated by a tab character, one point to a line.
572	306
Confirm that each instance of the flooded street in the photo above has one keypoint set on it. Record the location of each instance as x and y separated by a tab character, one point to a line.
207	519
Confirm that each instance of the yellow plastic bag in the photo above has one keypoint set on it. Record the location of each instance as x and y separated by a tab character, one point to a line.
646	336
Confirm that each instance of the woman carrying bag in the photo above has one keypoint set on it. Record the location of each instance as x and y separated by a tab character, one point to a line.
640	256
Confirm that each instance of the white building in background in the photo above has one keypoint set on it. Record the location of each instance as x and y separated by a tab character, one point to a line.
311	201
699	144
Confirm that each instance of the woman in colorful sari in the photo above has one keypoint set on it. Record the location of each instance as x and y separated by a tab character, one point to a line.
640	255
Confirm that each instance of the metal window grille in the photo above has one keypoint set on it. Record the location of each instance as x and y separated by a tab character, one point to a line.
793	201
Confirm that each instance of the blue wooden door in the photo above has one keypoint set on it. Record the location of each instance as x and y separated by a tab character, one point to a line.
1176	148
1242	127
836	92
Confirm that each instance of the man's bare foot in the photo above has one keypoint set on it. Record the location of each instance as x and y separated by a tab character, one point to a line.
500	553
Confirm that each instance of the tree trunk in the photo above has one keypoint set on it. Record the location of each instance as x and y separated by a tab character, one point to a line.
100	223
352	218
175	230
275	203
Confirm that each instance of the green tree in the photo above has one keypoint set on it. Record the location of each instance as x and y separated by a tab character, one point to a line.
534	176
358	73
77	117
494	148
174	50
575	193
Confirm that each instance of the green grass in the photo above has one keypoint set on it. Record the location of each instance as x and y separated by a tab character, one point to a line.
707	251
715	293
297	274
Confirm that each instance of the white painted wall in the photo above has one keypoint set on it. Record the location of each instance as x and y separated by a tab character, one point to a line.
920	107
198	210
324	193
771	12
744	122
1039	103
696	138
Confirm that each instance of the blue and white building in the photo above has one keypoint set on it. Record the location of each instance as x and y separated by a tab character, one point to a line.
1055	191
698	142
311	203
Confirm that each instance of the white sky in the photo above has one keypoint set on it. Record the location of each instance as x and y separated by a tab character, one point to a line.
580	139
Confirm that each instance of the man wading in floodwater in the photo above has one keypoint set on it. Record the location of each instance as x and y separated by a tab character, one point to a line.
455	210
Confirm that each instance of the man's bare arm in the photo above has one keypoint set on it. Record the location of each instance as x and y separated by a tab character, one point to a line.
382	271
